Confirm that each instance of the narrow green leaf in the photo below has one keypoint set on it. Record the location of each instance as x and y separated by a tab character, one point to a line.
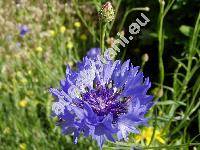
186	30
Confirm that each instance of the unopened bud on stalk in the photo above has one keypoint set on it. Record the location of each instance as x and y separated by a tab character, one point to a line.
145	57
162	2
107	13
158	92
147	8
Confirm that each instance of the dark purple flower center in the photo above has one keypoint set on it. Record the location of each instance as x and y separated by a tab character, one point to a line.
104	101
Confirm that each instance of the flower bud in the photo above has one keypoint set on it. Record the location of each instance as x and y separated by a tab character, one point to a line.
158	92
83	37
162	2
107	13
145	57
147	8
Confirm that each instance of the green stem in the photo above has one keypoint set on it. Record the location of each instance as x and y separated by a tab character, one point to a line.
193	43
179	95
102	37
91	31
142	65
189	74
187	114
168	7
130	11
161	45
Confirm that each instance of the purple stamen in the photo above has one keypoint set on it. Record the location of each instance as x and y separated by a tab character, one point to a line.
104	101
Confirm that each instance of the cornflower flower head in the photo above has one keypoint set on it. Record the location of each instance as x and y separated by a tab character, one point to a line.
102	99
23	30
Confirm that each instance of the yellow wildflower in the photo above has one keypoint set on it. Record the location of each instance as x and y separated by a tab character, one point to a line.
22	146
52	32
6	130
158	137
83	37
17	55
29	72
23	103
30	93
147	134
77	24
62	29
160	113
70	45
24	80
19	74
39	49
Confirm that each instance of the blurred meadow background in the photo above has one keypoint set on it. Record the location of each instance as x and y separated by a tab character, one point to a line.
39	37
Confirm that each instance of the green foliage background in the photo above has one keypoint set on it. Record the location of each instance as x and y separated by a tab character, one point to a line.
61	32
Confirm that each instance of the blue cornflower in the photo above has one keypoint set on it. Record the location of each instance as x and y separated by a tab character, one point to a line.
23	30
102	100
93	52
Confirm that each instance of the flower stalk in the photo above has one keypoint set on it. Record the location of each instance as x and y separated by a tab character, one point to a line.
106	15
161	44
102	36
